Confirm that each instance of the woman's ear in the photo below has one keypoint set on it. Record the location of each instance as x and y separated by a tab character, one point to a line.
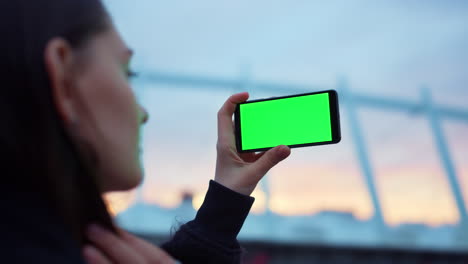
58	57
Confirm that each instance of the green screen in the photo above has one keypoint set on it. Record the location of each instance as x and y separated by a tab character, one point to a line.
286	121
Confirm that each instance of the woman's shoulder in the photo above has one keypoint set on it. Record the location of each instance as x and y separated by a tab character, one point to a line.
31	233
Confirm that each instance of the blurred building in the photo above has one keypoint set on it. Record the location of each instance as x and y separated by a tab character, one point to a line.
326	237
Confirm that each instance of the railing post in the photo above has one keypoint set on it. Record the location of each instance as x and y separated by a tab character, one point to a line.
444	155
361	149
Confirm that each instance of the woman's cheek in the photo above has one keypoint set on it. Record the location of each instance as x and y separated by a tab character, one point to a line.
127	144
117	144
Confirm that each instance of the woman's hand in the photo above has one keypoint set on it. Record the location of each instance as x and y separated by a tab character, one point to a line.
241	172
109	248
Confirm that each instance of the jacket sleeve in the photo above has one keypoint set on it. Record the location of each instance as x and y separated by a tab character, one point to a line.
212	236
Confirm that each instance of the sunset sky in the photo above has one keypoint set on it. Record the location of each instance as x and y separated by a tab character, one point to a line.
389	49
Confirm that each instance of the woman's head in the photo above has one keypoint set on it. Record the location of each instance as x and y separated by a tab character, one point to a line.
70	122
90	88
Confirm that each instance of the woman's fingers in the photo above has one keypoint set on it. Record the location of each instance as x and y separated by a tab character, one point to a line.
225	127
151	253
115	248
269	159
123	248
94	256
248	157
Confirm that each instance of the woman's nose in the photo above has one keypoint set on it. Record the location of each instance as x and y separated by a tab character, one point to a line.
145	115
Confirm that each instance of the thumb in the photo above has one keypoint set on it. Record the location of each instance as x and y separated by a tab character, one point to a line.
271	158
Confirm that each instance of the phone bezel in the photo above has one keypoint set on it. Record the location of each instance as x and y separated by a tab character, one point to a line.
334	120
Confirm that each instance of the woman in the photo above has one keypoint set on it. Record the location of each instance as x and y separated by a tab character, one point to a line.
70	132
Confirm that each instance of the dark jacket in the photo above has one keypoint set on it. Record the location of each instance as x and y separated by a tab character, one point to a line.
30	233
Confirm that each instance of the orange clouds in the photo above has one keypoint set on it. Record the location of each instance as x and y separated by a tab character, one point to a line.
410	192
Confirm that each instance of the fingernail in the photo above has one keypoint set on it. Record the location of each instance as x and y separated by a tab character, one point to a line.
283	151
94	230
283	148
89	251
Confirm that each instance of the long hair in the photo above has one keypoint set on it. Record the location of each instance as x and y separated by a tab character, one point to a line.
38	153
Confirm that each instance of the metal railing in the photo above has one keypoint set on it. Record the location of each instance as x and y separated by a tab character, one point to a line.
352	101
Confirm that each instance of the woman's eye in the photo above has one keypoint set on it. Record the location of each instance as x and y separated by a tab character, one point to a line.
131	74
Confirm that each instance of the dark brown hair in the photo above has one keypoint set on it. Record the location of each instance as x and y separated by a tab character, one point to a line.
38	153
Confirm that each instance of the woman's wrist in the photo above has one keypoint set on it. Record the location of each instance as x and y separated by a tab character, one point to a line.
246	190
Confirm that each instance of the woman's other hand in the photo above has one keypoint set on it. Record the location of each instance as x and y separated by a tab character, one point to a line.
241	172
108	248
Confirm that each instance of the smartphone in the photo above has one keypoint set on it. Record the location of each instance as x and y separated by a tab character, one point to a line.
298	120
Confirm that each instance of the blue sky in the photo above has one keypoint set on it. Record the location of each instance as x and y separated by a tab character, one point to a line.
387	48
